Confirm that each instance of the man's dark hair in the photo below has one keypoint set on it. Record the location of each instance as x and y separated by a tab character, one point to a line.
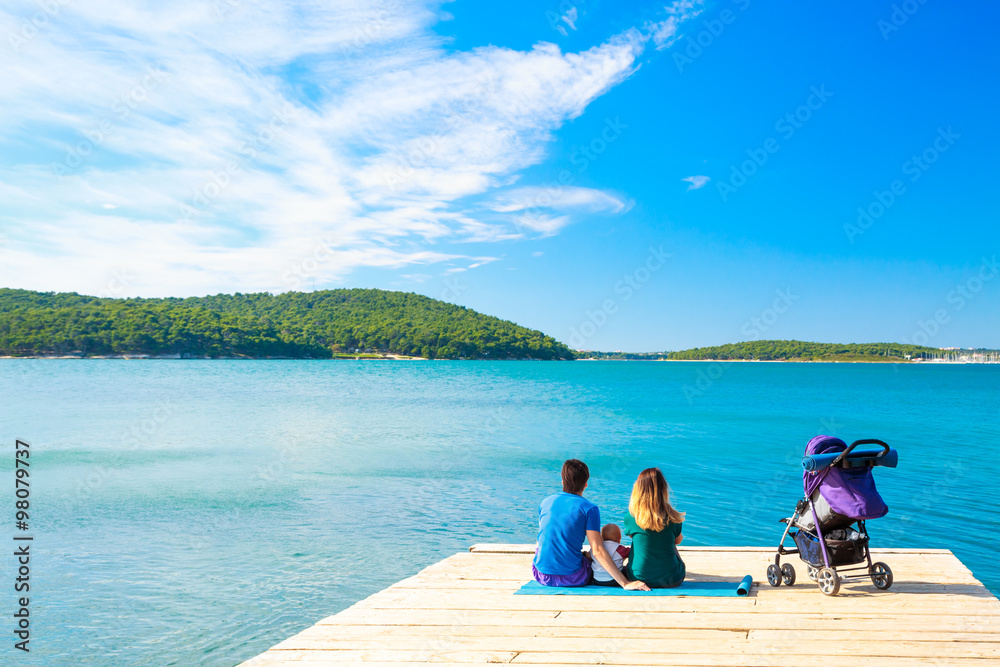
575	474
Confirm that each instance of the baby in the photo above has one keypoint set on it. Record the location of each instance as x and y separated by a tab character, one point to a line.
612	536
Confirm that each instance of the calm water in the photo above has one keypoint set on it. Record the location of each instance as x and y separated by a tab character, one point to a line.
198	512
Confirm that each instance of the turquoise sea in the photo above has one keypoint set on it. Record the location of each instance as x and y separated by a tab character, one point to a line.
198	512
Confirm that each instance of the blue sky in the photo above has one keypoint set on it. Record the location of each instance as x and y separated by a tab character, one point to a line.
637	177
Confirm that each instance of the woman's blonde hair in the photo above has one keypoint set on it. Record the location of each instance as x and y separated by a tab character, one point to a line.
650	502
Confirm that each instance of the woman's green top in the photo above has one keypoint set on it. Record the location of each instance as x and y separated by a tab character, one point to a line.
654	557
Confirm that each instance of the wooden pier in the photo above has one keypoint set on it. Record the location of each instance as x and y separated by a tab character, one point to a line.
463	610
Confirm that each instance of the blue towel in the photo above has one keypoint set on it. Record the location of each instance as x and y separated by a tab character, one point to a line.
692	588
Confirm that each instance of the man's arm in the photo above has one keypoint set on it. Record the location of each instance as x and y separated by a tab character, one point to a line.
600	554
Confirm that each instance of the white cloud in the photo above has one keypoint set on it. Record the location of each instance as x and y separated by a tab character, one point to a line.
251	146
543	223
569	18
696	182
537	206
664	33
558	197
475	265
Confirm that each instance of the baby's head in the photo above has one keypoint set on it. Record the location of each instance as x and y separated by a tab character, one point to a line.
611	532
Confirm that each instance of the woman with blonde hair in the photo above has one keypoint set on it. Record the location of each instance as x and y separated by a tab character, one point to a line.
655	528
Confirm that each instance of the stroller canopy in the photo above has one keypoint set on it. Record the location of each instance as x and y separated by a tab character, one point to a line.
849	491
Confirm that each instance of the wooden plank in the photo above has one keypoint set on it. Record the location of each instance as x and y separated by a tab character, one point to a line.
400	616
849	633
941	563
906	567
696	572
773	656
875	632
789	643
729	568
767	554
711	659
848	589
530	549
718	556
502	549
296	656
612	622
802	600
322	632
450	599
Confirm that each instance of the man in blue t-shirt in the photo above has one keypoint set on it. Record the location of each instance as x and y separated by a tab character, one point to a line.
563	521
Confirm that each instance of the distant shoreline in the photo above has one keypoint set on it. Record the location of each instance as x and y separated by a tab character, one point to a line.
174	357
801	361
809	361
393	357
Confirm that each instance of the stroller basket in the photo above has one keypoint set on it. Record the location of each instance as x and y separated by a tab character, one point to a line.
841	552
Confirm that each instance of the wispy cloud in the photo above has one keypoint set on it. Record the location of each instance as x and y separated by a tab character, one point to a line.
569	18
224	146
696	182
545	224
665	32
474	265
559	198
546	210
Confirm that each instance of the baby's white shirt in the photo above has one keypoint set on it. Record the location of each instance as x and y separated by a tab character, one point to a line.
600	574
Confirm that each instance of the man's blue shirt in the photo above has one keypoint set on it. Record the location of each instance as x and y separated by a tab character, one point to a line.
563	522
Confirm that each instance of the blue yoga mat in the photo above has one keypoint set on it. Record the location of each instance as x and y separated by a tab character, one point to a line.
716	589
818	462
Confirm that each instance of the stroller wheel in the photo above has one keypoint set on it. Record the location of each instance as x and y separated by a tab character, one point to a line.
828	580
788	574
881	575
773	575
811	572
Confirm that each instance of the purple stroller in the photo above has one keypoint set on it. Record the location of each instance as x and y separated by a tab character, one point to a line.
839	492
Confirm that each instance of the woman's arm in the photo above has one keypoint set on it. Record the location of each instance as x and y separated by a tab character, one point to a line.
680	537
600	554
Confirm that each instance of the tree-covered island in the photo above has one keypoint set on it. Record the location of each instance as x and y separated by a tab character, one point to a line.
318	325
795	350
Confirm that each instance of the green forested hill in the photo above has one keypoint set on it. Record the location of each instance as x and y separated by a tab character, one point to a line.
773	350
295	324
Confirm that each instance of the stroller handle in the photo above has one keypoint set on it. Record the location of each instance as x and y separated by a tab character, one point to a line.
868	441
